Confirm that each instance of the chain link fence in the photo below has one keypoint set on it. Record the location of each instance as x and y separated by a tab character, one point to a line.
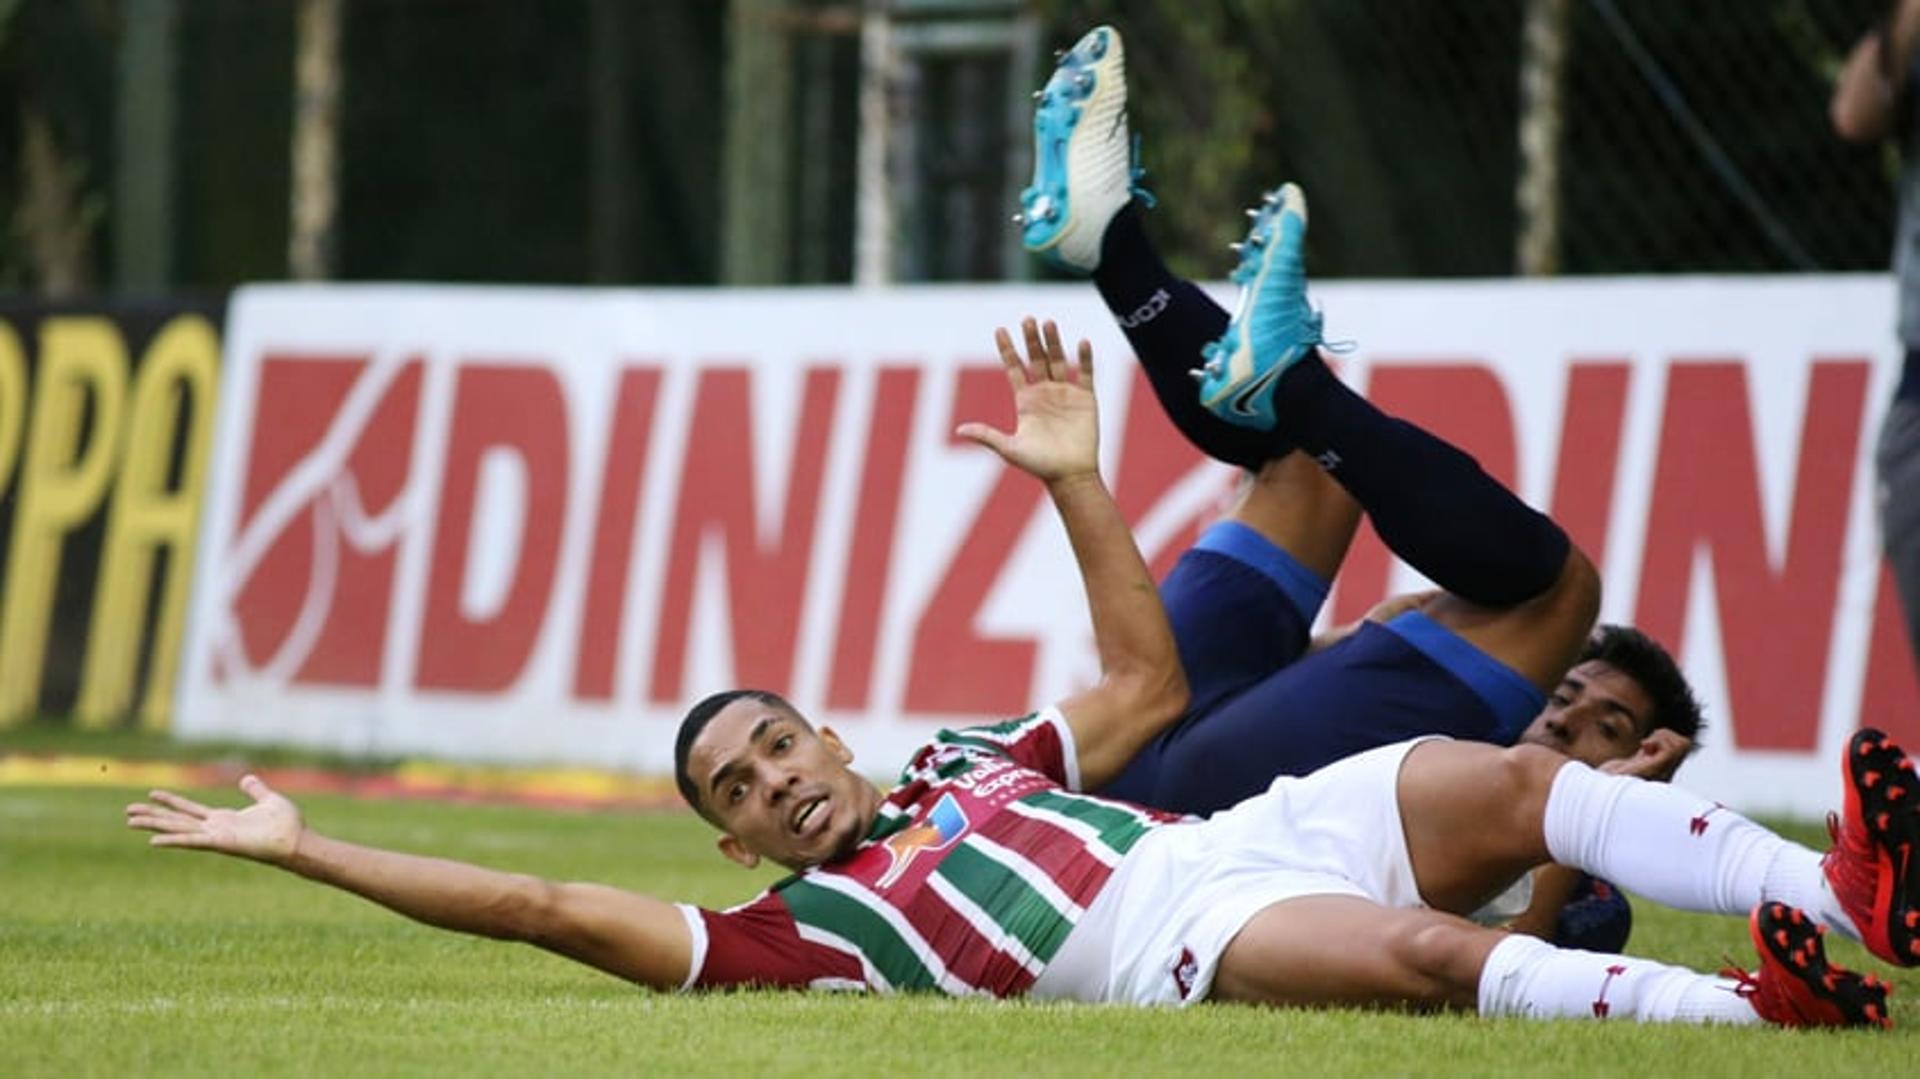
1693	135
603	141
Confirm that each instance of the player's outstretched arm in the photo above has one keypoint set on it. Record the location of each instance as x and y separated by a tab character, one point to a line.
1142	688
623	933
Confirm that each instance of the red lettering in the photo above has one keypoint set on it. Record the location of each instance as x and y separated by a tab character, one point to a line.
1591	420
521	409
1775	625
955	670
1890	700
869	567
624	470
1464	403
766	582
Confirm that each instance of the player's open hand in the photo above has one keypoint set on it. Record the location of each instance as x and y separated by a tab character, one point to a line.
266	831
1056	434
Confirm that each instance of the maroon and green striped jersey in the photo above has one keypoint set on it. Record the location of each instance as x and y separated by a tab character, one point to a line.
978	866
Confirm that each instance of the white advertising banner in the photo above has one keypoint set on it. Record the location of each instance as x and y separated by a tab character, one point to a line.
535	524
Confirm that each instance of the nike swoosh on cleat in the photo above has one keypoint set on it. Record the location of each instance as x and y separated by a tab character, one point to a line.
1242	400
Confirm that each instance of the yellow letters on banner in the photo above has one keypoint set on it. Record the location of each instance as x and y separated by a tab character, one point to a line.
61	485
13	400
178	371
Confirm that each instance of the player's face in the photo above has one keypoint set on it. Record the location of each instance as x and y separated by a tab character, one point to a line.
1596	714
778	788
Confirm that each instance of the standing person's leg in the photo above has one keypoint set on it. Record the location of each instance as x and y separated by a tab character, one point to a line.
1897	464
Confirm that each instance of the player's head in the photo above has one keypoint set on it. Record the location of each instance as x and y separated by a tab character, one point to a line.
1623	688
777	788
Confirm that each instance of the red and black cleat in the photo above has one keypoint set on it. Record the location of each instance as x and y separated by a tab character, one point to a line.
1796	986
1874	865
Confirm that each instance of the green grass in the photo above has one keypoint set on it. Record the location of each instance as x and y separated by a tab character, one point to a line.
118	959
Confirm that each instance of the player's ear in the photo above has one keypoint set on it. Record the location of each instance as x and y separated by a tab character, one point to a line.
737	852
835	746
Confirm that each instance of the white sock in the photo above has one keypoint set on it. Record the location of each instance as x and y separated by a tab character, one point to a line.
1531	978
1680	849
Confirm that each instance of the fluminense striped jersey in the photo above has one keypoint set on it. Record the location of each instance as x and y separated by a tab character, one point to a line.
979	865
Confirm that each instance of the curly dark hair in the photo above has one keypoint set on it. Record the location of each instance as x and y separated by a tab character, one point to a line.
696	720
1642	659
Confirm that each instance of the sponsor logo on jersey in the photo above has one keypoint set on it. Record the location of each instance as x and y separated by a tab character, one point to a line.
1185	970
943	825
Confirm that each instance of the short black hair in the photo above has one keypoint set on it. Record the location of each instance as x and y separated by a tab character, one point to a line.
696	721
1642	659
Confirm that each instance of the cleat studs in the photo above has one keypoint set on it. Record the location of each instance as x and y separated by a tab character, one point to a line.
1253	212
1236	247
1913	919
1197	374
1780	937
1795	916
1894	794
1881	820
1019	219
1058	53
1039	95
1869	779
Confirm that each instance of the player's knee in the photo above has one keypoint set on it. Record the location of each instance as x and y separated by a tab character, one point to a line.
1578	591
1444	958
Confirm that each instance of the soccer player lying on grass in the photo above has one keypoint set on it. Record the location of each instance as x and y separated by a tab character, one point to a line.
984	872
1243	601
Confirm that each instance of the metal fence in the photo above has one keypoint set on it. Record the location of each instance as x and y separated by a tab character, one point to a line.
691	141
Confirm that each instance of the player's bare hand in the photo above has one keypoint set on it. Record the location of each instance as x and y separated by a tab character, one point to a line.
266	831
1658	757
1056	433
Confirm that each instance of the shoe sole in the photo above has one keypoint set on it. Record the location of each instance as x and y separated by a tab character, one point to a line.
1054	150
1883	801
1791	941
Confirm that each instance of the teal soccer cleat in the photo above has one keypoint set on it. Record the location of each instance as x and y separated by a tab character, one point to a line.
1083	156
1273	327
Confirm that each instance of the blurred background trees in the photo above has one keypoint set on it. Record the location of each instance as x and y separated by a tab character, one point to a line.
150	145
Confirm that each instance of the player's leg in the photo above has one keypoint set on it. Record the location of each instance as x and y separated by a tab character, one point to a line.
1337	857
1082	214
1340	950
1241	604
1897	464
1475	816
1529	596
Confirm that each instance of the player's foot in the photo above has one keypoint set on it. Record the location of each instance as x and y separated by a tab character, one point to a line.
1796	986
1874	866
1083	158
1273	327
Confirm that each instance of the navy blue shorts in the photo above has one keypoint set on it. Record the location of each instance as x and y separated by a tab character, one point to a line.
1242	610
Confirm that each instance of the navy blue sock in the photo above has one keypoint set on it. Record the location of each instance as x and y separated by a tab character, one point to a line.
1168	320
1430	502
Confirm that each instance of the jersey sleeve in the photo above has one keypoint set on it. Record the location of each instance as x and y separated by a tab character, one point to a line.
1041	741
759	944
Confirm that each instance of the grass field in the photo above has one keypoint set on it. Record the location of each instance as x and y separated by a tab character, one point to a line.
116	959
